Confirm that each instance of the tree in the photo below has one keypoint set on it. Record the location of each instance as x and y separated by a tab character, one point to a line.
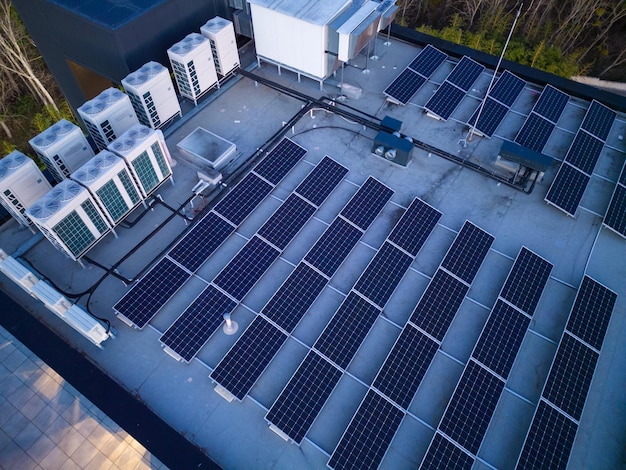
16	50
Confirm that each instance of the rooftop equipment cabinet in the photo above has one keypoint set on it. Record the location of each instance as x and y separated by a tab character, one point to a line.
146	155
108	179
221	36
194	69
151	92
358	30
21	184
107	116
295	35
70	218
63	148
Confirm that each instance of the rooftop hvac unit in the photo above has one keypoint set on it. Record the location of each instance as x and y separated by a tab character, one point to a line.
70	218
152	94
109	181
388	10
358	30
63	148
18	273
221	36
70	313
242	22
108	116
194	69
21	184
146	156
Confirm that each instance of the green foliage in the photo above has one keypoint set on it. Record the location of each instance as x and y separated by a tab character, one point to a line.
539	55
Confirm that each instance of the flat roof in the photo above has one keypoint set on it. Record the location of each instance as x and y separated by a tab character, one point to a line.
109	13
252	115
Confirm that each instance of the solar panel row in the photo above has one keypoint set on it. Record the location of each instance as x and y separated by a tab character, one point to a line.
615	217
247	359
497	103
553	429
476	396
411	79
449	95
406	364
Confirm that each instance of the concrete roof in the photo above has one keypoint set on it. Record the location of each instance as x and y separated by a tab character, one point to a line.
249	114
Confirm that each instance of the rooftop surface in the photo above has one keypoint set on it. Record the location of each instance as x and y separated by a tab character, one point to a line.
246	112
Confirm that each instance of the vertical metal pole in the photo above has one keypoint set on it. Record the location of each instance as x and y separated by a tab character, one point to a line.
470	135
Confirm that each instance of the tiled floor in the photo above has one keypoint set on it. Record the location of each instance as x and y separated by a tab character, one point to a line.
45	423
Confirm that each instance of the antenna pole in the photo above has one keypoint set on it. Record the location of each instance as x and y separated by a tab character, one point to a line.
470	135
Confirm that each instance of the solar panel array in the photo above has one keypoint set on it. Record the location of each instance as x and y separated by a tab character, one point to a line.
193	328
568	187
417	73
478	391
143	301
296	408
554	426
497	103
406	364
542	119
247	359
615	217
448	96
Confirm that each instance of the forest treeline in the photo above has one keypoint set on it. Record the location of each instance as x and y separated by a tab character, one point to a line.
566	37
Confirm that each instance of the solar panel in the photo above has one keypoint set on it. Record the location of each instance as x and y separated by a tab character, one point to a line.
535	132
193	328
551	103
405	366
297	406
201	241
591	312
427	61
416	224
142	302
287	221
365	441
549	440
365	205
471	407
567	189
444	101
598	120
525	282
404	86
246	268
444	454
570	376
439	303
243	198
333	246
292	300
491	116
239	370
507	88
383	274
280	161
467	252
615	217
324	178
584	152
345	332
501	339
465	73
